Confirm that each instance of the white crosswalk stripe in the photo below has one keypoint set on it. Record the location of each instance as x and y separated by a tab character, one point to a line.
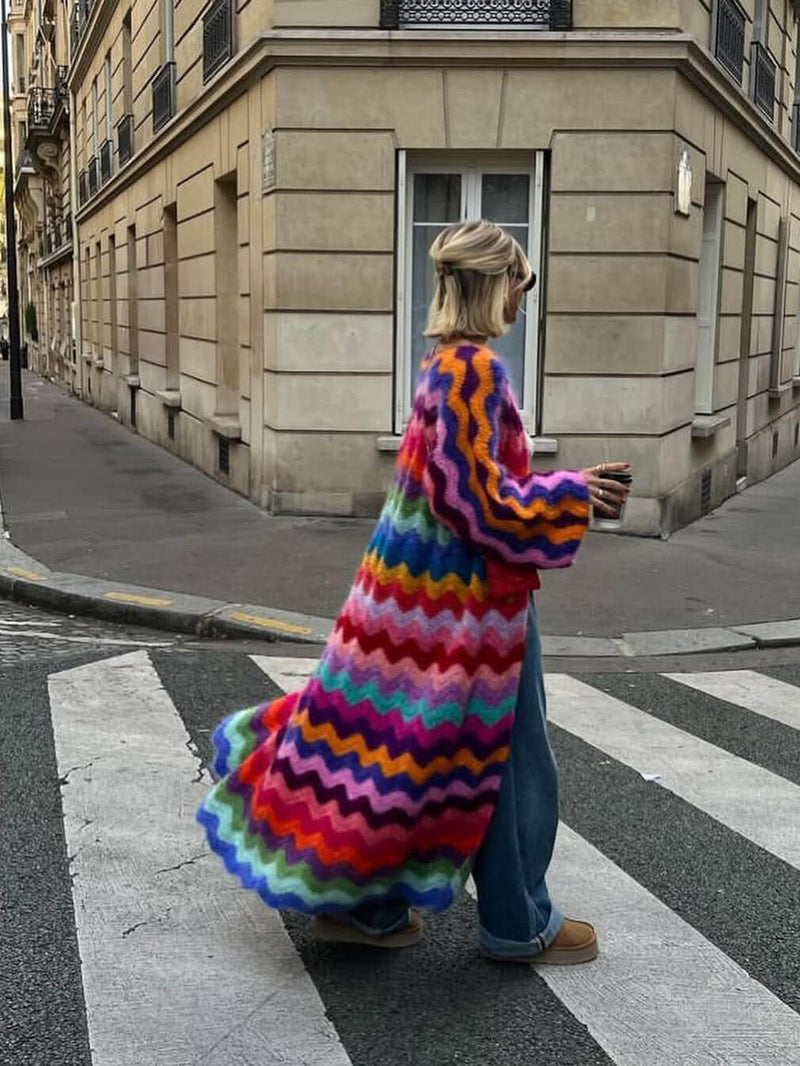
166	937
748	689
748	799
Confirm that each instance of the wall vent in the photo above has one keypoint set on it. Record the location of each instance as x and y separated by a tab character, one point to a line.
774	444
705	492
224	455
171	425
133	408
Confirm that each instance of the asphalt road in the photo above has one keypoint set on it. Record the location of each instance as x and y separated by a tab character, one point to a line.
702	928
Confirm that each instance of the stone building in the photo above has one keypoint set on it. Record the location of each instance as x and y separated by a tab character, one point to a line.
256	183
39	48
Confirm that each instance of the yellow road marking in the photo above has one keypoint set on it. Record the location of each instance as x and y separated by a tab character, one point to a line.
143	601
270	623
32	575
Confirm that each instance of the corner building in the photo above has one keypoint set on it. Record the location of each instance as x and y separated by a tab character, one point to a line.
257	184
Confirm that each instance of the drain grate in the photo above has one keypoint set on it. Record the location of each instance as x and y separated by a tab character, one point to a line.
224	457
705	492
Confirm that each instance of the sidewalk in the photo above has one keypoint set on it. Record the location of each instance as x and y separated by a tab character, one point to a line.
82	495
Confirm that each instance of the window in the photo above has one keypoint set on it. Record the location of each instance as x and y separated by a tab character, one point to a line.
434	192
109	125
20	62
95	113
708	300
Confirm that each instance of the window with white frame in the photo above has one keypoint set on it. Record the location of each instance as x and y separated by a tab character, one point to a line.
434	191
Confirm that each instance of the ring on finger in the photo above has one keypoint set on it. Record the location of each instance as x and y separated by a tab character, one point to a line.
600	493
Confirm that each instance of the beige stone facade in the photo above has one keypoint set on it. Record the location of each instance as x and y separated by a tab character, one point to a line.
252	271
42	188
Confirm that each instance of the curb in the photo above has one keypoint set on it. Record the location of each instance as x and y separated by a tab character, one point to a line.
24	580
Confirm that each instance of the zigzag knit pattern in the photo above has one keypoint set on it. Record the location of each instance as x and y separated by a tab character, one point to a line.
381	776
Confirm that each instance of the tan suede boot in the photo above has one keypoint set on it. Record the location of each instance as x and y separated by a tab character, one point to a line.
576	942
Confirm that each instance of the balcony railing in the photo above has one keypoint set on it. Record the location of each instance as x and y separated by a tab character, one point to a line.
163	96
106	161
41	108
762	68
77	23
93	170
83	188
512	14
24	162
217	36
729	37
125	139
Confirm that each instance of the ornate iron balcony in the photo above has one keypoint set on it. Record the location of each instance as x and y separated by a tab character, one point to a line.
163	96
510	14
106	161
217	36
41	108
762	68
729	37
93	170
125	139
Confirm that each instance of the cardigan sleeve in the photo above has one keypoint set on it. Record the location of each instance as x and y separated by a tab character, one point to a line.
532	519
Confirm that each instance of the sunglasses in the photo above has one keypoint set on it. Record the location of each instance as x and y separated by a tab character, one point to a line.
522	284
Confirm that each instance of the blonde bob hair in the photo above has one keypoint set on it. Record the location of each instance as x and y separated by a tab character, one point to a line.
478	266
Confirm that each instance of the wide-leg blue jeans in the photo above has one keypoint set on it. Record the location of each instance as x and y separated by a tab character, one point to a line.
517	916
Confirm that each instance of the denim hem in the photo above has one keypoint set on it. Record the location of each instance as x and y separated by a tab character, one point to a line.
514	949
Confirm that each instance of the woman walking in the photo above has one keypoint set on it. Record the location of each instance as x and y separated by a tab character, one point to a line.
418	750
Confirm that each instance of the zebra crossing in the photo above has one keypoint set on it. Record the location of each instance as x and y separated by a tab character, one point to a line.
680	839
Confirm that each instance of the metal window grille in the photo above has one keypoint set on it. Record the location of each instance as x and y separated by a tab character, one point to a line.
61	82
729	38
224	456
106	161
93	171
520	14
83	188
68	227
125	139
217	36
762	67
163	96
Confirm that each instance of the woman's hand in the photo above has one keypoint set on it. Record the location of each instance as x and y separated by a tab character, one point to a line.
606	496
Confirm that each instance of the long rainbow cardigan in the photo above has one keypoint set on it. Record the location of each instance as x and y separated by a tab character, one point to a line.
382	775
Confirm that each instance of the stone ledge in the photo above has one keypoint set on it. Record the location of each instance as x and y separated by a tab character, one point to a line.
796	381
709	425
169	397
544	445
98	362
388	444
777	391
227	426
133	381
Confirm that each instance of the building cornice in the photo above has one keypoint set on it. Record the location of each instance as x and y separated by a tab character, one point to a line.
407	49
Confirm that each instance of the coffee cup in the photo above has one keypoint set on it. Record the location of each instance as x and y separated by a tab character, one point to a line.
613	521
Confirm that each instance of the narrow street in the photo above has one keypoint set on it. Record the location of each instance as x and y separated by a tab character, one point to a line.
679	810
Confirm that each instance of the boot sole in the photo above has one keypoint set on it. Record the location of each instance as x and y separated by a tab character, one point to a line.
551	956
334	933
